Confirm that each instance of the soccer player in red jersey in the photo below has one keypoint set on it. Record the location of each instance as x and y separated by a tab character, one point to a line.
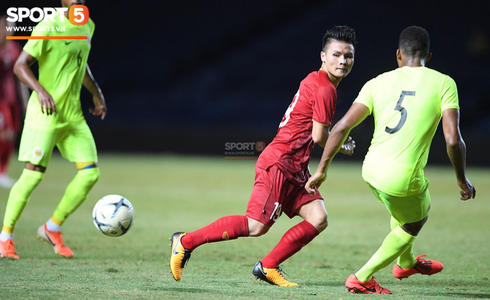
11	90
282	170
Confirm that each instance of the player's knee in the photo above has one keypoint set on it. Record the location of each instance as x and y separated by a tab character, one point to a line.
255	228
414	228
322	224
90	176
319	221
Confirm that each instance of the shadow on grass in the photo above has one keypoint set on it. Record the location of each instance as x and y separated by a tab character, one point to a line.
183	289
325	283
464	295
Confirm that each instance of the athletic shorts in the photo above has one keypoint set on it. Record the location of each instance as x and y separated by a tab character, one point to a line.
408	209
74	141
273	194
9	118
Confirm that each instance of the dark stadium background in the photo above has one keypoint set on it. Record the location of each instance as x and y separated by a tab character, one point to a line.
189	76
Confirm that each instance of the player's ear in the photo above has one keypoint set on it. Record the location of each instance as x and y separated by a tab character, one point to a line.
399	57
428	57
322	56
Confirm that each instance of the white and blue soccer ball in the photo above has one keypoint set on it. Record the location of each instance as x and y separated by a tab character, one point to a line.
113	215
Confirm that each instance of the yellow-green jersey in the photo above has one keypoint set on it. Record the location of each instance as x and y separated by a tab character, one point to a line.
62	66
407	105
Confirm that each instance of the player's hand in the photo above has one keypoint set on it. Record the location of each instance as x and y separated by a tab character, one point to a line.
100	108
348	146
314	182
46	102
468	191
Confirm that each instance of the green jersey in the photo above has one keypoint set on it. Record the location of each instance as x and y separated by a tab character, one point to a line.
62	66
407	105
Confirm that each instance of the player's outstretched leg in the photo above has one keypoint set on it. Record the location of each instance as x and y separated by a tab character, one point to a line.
423	266
75	194
178	256
223	229
55	239
272	276
356	286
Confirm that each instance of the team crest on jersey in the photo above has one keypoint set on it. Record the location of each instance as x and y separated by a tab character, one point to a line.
38	152
225	236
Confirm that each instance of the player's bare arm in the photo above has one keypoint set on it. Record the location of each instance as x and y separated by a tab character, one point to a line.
91	85
23	93
320	134
456	150
24	73
338	136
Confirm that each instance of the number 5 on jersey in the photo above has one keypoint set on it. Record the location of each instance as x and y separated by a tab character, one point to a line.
402	110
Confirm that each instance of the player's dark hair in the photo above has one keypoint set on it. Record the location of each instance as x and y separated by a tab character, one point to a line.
414	41
340	33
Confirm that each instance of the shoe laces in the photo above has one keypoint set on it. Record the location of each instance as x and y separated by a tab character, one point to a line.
374	283
419	258
423	265
9	246
281	272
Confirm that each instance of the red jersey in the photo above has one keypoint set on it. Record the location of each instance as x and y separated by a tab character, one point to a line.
291	148
8	88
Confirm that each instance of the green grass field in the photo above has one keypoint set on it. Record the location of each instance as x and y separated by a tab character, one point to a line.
179	193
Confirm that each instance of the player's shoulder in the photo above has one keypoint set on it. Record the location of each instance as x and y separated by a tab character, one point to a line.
436	77
91	23
319	79
388	74
439	74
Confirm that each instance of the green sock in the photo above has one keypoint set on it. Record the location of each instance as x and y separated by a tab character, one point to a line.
19	196
395	243
76	193
406	260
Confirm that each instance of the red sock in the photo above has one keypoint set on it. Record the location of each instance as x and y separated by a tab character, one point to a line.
6	150
226	228
291	242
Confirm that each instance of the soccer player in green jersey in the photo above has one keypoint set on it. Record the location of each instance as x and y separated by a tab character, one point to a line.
54	118
407	104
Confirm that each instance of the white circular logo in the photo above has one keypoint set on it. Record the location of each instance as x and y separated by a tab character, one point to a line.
38	152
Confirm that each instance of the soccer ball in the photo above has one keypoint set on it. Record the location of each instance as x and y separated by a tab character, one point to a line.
113	215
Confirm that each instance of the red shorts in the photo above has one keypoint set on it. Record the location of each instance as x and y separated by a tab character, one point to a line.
273	194
9	117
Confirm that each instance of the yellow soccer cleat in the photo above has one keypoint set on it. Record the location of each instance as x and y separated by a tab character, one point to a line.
272	276
179	255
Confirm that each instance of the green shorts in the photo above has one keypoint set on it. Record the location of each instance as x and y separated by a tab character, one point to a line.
74	141
408	209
